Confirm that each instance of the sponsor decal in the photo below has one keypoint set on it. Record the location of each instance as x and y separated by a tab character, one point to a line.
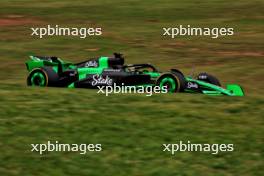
91	64
112	70
192	85
202	77
99	80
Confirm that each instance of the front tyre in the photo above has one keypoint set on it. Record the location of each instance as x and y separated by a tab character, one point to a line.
170	82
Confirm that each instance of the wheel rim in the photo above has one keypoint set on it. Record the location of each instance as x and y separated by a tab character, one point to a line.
38	79
169	83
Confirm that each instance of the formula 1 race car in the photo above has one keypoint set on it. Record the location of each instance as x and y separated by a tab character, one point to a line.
107	71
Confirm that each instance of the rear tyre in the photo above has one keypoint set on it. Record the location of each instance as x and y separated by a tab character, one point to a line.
42	77
37	77
171	82
208	78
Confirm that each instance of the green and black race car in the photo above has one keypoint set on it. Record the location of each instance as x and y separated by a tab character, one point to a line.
107	71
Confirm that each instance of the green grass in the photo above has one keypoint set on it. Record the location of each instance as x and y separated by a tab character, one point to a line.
132	128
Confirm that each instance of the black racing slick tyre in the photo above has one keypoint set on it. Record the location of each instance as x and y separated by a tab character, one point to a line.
42	77
208	78
171	82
